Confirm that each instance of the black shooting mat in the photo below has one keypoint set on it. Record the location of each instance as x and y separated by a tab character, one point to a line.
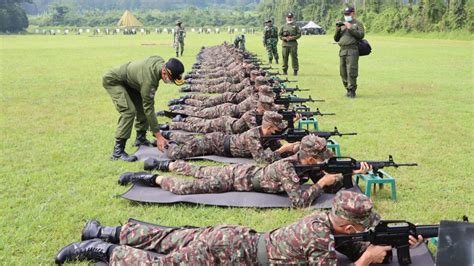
145	152
420	256
141	193
455	243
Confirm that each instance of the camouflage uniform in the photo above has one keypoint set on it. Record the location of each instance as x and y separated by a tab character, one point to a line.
226	97
270	41
226	109
308	241
221	87
178	41
247	145
225	124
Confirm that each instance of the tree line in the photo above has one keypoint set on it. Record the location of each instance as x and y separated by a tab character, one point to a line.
380	15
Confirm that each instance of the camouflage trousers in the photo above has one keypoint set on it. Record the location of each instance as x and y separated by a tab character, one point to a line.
210	179
218	88
179	46
209	101
272	51
208	82
187	145
226	109
223	245
200	125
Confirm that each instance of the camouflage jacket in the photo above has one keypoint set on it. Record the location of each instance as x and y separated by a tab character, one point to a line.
281	176
270	35
247	121
179	34
308	241
249	144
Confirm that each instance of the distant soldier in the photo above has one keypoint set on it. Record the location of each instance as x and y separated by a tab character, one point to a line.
270	40
239	42
179	34
348	36
132	87
308	241
289	33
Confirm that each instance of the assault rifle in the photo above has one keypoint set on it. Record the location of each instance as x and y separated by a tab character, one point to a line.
287	100
280	80
278	90
395	236
294	135
345	166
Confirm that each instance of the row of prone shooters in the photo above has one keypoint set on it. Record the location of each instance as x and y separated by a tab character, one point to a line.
248	118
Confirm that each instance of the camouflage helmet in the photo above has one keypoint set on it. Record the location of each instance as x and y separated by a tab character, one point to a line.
312	146
262	98
254	73
179	22
260	80
355	207
266	90
274	118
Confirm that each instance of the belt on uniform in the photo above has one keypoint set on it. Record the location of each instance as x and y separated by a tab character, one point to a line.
256	183
227	151
262	256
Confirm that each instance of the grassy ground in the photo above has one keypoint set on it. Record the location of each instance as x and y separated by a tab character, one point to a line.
57	122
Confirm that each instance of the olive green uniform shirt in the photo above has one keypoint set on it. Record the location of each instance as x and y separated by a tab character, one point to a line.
290	29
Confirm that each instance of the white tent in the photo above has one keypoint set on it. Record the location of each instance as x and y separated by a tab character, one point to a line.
311	25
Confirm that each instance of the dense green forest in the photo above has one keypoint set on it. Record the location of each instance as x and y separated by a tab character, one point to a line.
378	15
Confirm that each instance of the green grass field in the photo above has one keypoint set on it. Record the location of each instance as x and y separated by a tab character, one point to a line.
57	124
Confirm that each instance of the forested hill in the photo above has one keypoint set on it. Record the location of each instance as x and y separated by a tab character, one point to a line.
41	6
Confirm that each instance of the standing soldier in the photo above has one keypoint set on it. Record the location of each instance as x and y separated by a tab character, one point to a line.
289	33
239	42
179	34
348	34
132	87
270	40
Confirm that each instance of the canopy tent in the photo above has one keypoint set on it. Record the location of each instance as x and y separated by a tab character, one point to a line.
311	25
129	20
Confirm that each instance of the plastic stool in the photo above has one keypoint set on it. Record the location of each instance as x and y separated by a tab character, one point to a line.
336	147
308	121
380	178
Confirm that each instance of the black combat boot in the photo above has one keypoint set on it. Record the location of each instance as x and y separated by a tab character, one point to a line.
182	52
270	61
285	72
93	229
348	93
295	72
177	55
94	249
145	178
141	139
119	152
164	127
185	89
166	134
276	61
178	118
155	164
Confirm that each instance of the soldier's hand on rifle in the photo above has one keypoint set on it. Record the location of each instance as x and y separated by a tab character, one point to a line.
161	142
348	25
373	254
297	117
364	168
415	242
328	179
287	147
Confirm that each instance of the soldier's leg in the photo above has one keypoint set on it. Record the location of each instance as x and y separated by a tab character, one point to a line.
210	144
269	52
124	105
275	52
353	72
294	59
221	181
285	52
185	168
182	47
343	71
141	122
194	124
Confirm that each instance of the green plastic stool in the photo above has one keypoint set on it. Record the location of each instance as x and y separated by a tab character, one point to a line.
380	178
307	122
336	147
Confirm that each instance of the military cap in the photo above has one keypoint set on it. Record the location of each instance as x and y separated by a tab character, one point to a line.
175	68
348	10
274	118
290	15
355	207
260	80
262	98
268	21
178	22
266	90
311	146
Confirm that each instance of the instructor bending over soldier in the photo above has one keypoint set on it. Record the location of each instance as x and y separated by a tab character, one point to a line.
132	87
